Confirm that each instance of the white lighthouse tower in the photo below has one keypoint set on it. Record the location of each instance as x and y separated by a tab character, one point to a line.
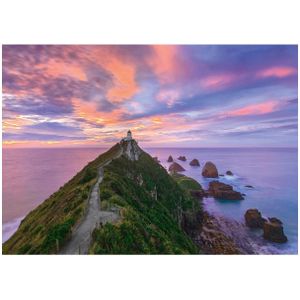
128	137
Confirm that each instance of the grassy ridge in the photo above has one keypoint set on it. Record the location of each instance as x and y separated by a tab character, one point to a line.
48	226
152	205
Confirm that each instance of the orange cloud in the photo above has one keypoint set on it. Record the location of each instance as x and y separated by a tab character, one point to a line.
165	62
125	85
279	72
57	68
88	111
255	109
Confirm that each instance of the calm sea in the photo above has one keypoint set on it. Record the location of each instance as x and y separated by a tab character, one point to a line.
32	175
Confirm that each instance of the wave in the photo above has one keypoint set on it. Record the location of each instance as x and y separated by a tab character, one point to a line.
9	228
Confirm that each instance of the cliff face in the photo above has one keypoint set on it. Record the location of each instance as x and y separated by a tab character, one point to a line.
152	208
131	149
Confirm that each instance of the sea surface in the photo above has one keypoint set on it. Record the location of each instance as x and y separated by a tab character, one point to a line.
32	175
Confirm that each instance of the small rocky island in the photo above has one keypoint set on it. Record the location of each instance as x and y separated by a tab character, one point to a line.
272	227
170	159
210	170
223	191
182	158
195	163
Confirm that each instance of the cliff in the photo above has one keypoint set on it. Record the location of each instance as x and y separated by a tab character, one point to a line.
153	209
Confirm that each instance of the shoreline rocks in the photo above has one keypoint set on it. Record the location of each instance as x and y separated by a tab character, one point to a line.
170	159
175	167
254	219
273	231
210	170
249	186
272	227
156	159
229	173
223	191
182	158
195	163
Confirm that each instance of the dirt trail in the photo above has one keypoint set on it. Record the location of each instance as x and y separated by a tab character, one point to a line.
81	238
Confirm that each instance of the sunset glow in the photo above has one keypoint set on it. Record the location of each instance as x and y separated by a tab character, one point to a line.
196	96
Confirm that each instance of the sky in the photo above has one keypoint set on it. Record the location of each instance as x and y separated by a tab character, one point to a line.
168	95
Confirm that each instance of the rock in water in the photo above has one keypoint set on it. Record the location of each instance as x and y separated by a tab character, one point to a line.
182	158
175	167
254	219
223	191
209	170
195	163
273	231
170	159
229	173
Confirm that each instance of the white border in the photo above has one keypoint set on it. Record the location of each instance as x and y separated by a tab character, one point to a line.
144	22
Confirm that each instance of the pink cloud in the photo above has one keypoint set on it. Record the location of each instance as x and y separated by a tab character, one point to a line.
256	109
168	96
217	81
279	72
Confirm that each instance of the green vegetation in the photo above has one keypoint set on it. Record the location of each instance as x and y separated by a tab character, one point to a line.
155	210
151	204
186	183
52	221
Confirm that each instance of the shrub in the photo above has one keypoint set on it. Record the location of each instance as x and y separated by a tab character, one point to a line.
89	174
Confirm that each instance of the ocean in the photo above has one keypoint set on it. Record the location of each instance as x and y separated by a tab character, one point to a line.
32	175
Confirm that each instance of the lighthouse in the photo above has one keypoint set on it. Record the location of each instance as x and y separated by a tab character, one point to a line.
128	137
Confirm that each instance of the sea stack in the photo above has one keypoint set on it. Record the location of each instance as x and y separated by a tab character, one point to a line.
182	158
175	167
223	191
229	173
195	163
254	219
210	170
273	231
170	159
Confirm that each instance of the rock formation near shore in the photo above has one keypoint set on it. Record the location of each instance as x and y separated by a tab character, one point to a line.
195	163
175	167
210	170
182	158
229	173
170	159
273	231
254	219
223	191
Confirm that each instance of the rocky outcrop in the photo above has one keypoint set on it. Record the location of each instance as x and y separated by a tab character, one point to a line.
156	159
209	170
273	231
170	159
175	167
254	219
249	186
223	191
131	149
229	173
212	239
182	158
195	163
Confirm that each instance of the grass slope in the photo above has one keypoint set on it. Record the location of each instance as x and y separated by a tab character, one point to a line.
152	206
48	226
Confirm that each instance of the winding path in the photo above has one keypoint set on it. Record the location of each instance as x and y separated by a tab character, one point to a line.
81	238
